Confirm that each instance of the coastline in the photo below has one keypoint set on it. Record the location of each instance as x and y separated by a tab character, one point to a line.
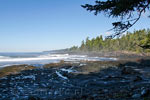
88	80
118	54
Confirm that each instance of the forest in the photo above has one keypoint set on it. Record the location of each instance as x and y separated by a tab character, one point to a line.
134	42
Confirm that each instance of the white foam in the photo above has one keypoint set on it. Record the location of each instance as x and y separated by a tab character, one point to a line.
46	57
9	65
49	58
82	64
43	57
67	70
54	55
61	75
4	57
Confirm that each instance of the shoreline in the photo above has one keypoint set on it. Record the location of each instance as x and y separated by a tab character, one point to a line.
118	54
90	80
135	60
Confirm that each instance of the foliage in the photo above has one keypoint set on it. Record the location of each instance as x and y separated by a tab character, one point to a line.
74	48
130	42
129	12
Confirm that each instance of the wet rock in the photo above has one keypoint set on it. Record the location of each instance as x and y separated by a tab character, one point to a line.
136	96
145	92
138	78
65	74
13	98
44	84
129	70
105	90
33	98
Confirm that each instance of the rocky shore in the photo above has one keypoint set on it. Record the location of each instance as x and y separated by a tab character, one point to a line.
117	54
111	80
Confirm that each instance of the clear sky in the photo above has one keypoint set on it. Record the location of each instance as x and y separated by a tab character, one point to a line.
39	25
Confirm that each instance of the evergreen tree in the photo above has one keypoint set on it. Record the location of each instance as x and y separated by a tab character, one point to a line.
134	42
128	11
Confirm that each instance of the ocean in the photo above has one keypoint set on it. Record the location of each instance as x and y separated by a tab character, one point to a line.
41	58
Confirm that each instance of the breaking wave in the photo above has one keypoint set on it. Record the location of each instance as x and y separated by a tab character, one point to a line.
48	58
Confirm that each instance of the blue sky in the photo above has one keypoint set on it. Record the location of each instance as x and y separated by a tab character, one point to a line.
39	25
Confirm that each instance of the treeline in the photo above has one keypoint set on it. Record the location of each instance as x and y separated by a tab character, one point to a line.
130	42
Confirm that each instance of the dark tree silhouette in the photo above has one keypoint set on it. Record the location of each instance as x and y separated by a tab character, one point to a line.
128	11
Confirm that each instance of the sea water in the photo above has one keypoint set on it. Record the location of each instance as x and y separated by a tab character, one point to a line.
41	58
